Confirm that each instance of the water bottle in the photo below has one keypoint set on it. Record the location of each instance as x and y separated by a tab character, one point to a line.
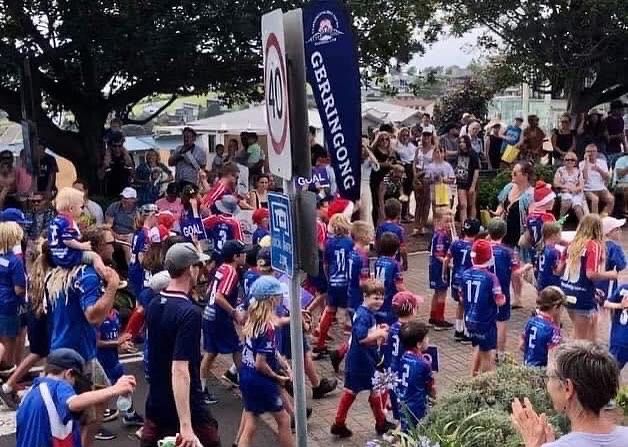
124	403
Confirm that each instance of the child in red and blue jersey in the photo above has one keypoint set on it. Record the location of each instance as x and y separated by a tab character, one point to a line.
392	214
615	258
548	265
439	282
147	233
482	295
505	266
223	226
542	331
261	220
416	382
540	213
219	317
459	258
337	252
618	303
317	285
363	356
388	271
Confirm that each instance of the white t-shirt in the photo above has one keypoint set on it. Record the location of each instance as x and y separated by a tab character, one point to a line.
593	179
423	158
406	152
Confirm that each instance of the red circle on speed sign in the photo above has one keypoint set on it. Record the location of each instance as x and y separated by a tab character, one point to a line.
276	93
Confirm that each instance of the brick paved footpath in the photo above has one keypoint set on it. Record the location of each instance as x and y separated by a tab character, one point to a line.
454	361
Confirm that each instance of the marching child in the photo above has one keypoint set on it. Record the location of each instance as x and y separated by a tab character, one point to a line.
441	240
147	233
618	303
542	331
261	219
417	383
615	258
391	224
482	295
317	285
548	265
540	213
366	338
388	272
459	257
263	371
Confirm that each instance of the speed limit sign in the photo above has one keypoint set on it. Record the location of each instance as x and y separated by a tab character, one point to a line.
276	95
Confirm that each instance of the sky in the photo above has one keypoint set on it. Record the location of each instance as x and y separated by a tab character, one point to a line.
449	51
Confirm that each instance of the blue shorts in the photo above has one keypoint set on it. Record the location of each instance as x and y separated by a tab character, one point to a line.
220	338
37	331
437	282
9	325
486	341
503	312
136	278
259	394
337	297
410	416
357	382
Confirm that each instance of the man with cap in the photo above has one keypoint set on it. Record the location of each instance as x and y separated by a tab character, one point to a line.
175	401
121	215
188	159
223	226
48	416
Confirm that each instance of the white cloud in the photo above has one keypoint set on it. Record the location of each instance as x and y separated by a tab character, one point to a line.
450	50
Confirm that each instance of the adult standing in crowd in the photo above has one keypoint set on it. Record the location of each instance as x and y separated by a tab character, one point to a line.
8	185
563	138
384	154
467	169
464	123
255	157
151	176
171	202
621	184
406	151
449	142
422	185
513	134
23	175
369	164
532	144
493	144
121	216
38	216
47	172
477	143
591	131
175	400
77	302
569	182
118	164
581	381
93	209
188	159
596	176
258	197
614	125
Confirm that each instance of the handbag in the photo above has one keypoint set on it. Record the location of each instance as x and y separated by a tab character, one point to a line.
441	194
510	154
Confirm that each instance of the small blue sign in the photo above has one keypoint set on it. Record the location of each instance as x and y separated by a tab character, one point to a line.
193	226
281	233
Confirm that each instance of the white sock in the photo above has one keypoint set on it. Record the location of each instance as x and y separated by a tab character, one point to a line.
233	369
203	384
6	388
459	326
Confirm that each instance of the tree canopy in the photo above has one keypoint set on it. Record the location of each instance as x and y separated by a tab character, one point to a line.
576	46
94	57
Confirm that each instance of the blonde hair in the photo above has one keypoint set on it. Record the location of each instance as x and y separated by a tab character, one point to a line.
441	212
339	225
37	278
260	318
378	136
589	229
67	198
372	286
11	234
362	231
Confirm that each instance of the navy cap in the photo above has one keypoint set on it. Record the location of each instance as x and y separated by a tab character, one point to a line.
471	227
14	215
233	248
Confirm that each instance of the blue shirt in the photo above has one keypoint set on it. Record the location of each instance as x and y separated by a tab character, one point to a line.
258	234
358	271
549	259
578	285
11	274
393	350
62	229
619	322
539	336
511	136
460	253
361	359
394	228
266	344
505	262
33	422
615	260
388	271
139	244
67	325
109	330
337	252
415	380
440	245
480	289
249	278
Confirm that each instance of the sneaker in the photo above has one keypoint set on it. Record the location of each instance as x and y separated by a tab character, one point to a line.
458	336
336	360
232	378
385	427
110	414
465	340
441	325
209	398
11	400
133	420
324	387
105	435
341	431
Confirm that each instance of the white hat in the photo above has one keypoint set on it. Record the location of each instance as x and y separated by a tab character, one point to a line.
610	223
129	193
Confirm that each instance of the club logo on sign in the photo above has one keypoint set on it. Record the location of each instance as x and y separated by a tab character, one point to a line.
325	28
276	94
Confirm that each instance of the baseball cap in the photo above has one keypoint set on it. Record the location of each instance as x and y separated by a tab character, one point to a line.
481	253
183	255
265	287
14	215
228	205
610	223
471	227
67	358
129	193
149	208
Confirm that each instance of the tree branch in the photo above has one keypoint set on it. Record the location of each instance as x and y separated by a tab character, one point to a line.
141	122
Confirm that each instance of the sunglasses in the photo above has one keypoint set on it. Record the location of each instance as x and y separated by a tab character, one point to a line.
570	159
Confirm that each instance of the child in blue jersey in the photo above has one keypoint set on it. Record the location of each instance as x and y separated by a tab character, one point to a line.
548	265
618	303
260	218
49	413
439	282
505	266
482	295
388	271
391	224
363	356
416	382
405	306
337	252
540	213
615	258
146	234
317	285
108	341
542	331
458	260
64	236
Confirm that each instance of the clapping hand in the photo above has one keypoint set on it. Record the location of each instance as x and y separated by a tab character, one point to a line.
534	429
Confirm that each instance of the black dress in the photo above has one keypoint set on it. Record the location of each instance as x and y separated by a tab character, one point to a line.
513	223
377	177
495	150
